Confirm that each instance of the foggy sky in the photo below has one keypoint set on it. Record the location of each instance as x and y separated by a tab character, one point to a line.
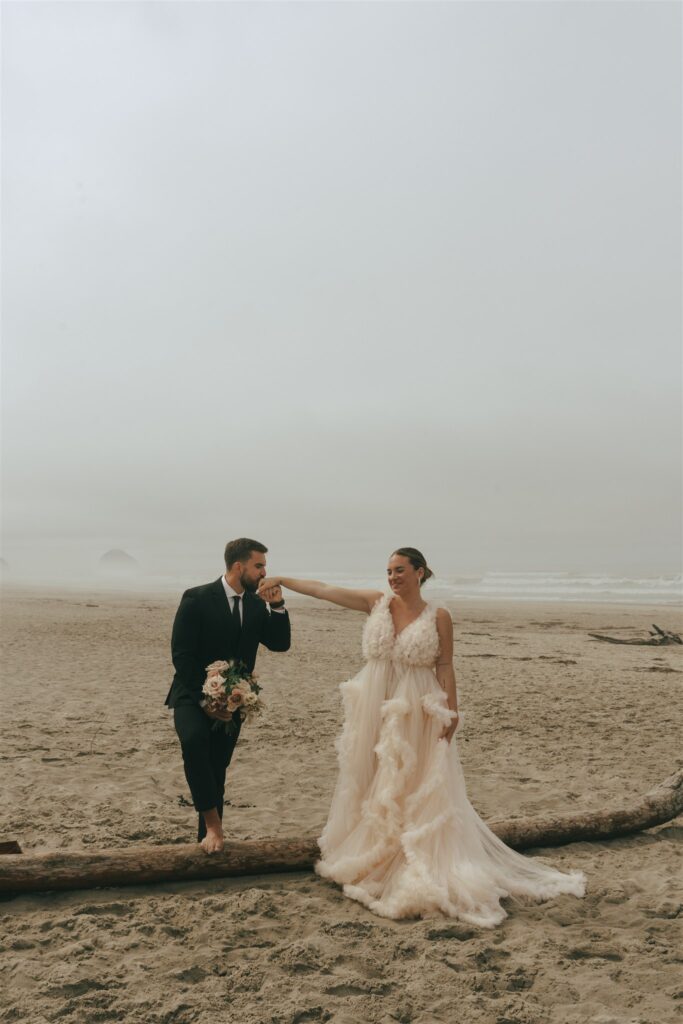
343	276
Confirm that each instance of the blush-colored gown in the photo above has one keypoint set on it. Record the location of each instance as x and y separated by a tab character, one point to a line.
401	835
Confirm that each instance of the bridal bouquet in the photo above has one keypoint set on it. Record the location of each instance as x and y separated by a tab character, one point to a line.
229	687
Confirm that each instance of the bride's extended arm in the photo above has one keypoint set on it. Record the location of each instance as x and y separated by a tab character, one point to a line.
359	600
444	666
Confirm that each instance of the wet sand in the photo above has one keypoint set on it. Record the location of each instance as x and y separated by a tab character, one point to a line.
553	720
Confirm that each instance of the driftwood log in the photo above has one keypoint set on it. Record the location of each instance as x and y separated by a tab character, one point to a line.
657	638
38	872
11	846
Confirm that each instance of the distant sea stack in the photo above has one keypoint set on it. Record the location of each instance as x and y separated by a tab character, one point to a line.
118	563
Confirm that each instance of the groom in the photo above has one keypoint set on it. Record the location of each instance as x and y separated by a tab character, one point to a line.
216	622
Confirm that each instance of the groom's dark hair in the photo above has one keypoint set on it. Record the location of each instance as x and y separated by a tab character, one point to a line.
240	549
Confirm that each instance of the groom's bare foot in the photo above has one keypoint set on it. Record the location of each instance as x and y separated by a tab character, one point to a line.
213	841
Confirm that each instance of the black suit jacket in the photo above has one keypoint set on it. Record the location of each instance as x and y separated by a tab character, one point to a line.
204	631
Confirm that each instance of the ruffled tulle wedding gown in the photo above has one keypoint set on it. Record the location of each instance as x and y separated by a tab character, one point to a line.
401	836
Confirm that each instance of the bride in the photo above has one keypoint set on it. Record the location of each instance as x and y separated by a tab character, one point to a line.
401	835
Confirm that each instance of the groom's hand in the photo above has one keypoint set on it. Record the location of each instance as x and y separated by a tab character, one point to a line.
222	716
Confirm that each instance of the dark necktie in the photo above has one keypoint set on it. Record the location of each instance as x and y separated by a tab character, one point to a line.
236	614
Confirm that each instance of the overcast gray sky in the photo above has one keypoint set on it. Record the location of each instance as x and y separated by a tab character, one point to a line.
343	276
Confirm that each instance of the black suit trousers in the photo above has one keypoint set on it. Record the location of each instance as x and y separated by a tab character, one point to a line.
206	756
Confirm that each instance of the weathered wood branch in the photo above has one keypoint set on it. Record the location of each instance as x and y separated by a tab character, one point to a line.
665	632
136	865
659	805
10	846
36	872
657	638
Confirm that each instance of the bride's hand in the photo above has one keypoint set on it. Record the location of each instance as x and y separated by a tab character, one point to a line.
268	582
448	732
269	589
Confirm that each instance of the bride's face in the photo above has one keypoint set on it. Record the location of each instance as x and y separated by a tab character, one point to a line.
403	578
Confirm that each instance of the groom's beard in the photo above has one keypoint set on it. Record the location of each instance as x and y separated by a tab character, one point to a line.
250	585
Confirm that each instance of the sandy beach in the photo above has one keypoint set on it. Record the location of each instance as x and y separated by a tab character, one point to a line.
553	720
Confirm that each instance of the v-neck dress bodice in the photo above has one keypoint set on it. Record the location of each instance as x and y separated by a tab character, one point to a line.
416	644
402	836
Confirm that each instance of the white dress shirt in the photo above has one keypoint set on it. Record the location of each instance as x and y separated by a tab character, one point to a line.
230	593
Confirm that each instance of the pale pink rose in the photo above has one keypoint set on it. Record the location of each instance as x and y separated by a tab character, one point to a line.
218	666
214	678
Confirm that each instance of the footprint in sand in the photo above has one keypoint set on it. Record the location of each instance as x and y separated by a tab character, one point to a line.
75	988
520	979
452	931
359	987
301	958
593	953
314	1013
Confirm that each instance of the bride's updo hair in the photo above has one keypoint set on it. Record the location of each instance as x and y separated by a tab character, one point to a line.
417	560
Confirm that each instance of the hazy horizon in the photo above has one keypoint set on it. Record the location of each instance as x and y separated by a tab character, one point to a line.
342	277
